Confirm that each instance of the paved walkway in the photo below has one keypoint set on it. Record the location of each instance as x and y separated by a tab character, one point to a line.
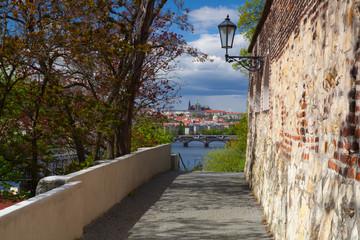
175	205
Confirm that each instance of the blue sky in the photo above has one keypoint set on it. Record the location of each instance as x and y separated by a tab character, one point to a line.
212	83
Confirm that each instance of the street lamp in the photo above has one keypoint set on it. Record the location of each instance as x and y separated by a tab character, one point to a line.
227	34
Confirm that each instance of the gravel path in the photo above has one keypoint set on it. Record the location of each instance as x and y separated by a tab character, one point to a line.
179	205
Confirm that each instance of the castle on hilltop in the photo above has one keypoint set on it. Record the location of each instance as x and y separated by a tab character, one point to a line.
197	107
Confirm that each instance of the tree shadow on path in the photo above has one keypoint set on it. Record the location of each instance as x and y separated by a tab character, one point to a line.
116	223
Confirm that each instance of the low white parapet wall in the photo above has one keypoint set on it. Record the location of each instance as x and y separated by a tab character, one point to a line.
62	212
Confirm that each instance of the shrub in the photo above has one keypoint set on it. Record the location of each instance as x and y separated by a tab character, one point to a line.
232	158
228	159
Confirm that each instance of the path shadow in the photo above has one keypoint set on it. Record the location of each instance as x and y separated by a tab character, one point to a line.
207	206
116	223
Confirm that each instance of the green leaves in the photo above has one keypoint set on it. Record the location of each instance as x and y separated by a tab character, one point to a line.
149	132
233	157
74	74
249	15
229	159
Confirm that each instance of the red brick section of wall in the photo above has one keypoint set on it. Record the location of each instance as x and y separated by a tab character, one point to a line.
355	73
347	147
284	19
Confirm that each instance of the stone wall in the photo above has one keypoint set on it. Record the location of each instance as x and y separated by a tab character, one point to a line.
303	150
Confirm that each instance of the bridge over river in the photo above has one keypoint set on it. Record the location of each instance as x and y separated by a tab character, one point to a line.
206	139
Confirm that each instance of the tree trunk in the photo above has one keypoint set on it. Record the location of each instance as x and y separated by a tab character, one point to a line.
110	150
96	149
33	168
146	16
123	139
79	147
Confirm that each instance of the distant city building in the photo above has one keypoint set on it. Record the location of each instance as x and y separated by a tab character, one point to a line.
177	113
234	116
197	107
199	117
213	112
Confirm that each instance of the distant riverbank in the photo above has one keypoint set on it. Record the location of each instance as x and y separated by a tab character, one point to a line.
193	155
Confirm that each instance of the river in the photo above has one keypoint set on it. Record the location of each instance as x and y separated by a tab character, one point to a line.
193	154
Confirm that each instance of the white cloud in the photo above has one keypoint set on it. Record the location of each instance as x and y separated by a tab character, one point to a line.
210	44
215	83
195	73
237	103
206	18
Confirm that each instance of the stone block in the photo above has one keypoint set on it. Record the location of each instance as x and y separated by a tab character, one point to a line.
335	225
310	187
347	40
355	232
48	183
332	19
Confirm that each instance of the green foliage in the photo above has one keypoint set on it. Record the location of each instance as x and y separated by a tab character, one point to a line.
74	74
249	15
5	185
231	158
179	129
236	66
8	194
211	131
217	131
131	194
148	132
76	166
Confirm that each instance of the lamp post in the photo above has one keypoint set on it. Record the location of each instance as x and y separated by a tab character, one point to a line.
227	34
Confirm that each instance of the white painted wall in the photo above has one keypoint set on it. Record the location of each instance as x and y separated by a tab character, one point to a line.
63	212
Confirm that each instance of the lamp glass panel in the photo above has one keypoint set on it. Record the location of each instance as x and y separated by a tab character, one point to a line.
230	38
223	36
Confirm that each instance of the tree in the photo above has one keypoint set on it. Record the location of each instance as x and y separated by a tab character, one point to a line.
180	129
30	30
13	150
249	15
75	73
149	132
129	46
148	42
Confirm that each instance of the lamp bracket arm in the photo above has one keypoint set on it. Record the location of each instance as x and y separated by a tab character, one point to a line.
252	63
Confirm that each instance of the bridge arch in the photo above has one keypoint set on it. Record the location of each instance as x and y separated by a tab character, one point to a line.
206	139
207	144
186	143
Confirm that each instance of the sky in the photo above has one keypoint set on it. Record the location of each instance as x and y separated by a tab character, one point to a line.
216	83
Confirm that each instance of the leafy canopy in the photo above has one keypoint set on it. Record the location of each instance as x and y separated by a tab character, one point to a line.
249	15
75	75
149	132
